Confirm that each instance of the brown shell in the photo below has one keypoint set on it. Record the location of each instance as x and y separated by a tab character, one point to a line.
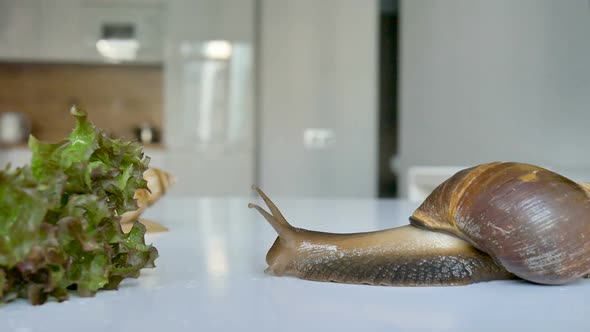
533	222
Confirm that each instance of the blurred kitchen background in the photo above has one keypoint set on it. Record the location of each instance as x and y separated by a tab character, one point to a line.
329	98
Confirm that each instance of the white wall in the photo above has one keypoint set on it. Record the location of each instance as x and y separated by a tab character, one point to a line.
317	66
495	80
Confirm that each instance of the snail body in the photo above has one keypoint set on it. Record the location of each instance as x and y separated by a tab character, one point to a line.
489	222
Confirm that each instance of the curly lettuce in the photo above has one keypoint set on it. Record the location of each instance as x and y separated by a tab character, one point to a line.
59	218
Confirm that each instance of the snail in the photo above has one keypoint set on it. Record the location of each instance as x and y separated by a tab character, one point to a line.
494	221
159	183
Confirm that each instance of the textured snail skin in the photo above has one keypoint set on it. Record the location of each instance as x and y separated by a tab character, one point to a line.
406	256
492	221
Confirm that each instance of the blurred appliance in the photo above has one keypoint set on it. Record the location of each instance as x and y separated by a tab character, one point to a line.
210	121
147	133
123	31
15	128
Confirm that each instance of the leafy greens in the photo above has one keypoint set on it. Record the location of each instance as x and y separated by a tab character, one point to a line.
59	218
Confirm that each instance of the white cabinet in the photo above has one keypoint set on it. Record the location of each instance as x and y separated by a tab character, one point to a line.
130	27
19	28
71	30
61	33
318	102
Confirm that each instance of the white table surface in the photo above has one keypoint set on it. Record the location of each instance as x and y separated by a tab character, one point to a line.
209	277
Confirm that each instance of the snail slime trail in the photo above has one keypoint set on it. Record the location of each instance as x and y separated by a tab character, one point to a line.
494	221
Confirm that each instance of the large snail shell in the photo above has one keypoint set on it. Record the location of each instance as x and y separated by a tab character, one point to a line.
533	222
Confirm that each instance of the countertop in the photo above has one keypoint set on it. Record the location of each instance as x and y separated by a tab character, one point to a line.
209	277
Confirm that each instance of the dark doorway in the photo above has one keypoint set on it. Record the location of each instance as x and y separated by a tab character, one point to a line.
388	101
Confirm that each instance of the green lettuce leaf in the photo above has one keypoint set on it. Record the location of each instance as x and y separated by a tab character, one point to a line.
59	219
22	209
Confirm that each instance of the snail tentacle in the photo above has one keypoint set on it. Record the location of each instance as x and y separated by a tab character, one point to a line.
284	230
273	208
